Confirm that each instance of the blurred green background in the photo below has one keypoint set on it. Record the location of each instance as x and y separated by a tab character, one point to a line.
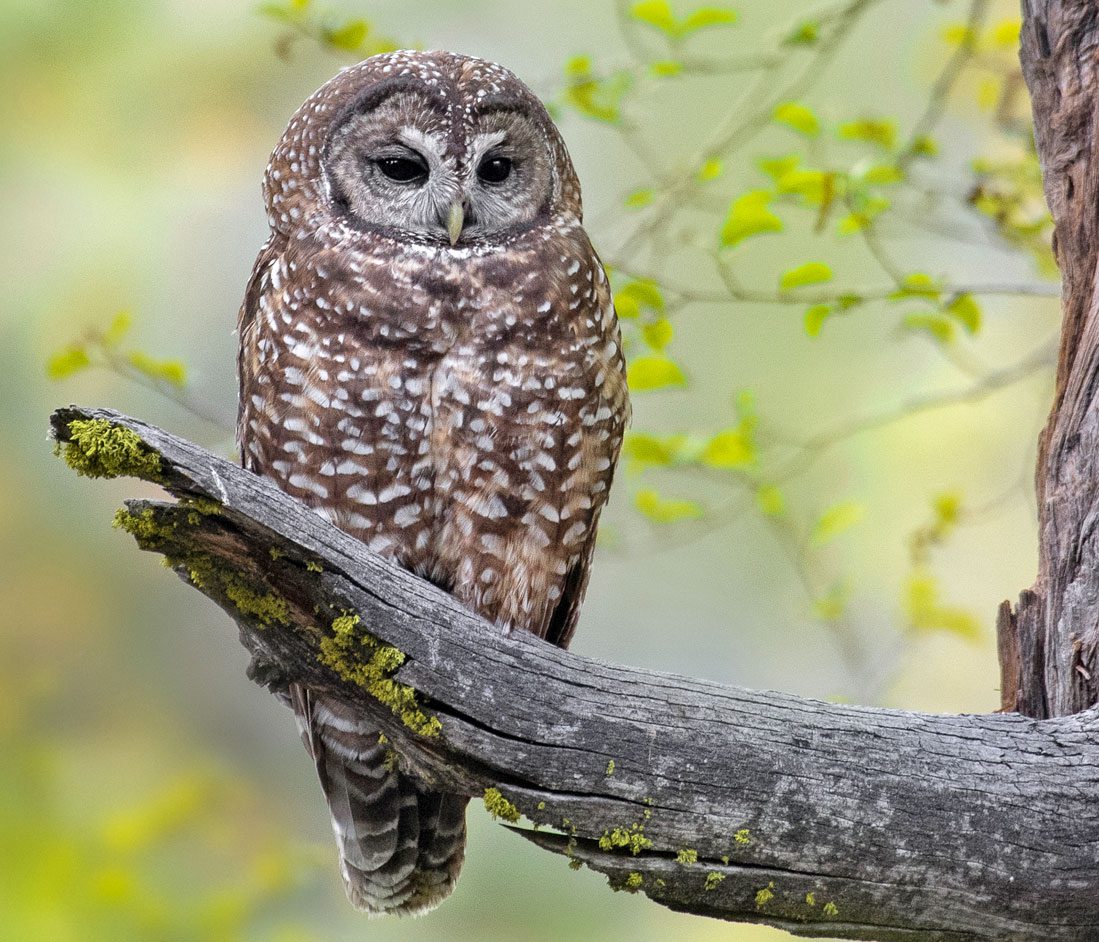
147	790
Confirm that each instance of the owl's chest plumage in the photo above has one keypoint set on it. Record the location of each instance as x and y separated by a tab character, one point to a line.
458	412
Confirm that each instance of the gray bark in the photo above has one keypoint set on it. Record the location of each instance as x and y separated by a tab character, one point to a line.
1048	645
822	819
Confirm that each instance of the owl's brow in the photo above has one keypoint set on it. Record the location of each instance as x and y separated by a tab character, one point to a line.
493	103
376	95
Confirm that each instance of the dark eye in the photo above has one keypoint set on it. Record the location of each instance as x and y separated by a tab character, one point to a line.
494	169
403	169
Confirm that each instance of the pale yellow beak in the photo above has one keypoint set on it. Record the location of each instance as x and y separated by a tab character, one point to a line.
455	219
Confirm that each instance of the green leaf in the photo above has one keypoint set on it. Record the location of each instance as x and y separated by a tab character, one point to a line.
666	68
917	284
710	170
705	17
797	116
661	510
926	612
749	216
938	326
654	372
771	500
925	146
657	334
636	297
596	98
966	311
832	605
805	34
350	36
172	372
639	198
66	362
835	521
811	273
118	329
881	132
657	13
732	448
948	509
642	450
884	174
815	318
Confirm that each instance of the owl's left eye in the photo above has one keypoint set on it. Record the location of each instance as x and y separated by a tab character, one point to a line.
494	169
403	169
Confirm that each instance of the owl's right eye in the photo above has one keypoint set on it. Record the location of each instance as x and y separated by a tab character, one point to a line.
403	169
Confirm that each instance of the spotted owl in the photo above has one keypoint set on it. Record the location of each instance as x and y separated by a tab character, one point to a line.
430	359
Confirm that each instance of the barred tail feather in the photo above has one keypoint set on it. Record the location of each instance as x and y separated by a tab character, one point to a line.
401	846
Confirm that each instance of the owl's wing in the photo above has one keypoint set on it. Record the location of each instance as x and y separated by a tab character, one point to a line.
562	622
259	286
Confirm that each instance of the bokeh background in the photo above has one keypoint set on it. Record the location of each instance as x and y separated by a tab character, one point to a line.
147	790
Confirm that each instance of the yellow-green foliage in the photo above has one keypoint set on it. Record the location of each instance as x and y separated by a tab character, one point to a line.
99	449
313	567
713	878
764	896
634	880
811	899
610	768
743	836
499	807
688	855
632	837
360	658
831	910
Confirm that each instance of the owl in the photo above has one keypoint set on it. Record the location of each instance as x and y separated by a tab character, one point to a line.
430	359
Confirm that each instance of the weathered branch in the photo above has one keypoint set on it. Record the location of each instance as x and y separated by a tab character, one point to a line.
819	818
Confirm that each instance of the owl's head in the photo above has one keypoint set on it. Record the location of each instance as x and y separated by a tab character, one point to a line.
431	147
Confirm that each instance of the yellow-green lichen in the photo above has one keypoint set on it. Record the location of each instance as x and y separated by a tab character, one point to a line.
100	449
499	807
313	567
610	768
725	859
142	525
267	607
764	896
276	553
713	878
632	837
688	855
810	899
200	507
360	658
743	836
575	863
831	910
541	806
634	880
252	598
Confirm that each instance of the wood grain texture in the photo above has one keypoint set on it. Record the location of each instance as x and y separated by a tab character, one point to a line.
823	819
1052	637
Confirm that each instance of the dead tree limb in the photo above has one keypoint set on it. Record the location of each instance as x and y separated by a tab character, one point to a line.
822	819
